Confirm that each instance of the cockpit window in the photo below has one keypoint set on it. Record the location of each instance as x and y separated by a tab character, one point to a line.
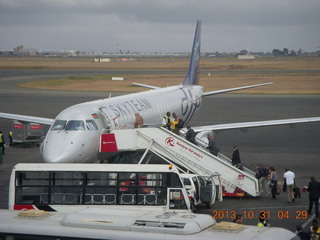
91	125
75	125
58	125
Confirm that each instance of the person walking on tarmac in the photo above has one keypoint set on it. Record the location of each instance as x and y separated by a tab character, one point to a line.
289	184
314	230
314	195
273	182
262	176
166	121
2	142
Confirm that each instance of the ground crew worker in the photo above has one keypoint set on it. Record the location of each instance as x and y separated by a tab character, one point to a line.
10	137
314	230
2	142
175	124
263	222
166	121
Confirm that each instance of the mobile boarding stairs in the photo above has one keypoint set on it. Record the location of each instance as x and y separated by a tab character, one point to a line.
179	151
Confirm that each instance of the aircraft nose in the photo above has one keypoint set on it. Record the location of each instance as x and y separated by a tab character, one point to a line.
57	153
62	147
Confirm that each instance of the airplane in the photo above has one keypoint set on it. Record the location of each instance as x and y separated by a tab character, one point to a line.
74	135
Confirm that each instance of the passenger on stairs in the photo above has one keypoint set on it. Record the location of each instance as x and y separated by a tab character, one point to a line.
139	121
236	157
212	147
190	135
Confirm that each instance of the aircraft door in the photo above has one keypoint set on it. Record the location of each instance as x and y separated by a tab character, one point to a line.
107	117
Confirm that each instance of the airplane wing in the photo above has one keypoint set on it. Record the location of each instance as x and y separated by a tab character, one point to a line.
24	118
245	125
233	89
145	85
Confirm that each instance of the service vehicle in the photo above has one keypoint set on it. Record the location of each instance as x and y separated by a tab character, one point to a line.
70	187
116	224
201	189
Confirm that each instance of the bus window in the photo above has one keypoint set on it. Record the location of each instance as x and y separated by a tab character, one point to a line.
67	178
75	125
174	181
33	178
29	186
101	179
177	200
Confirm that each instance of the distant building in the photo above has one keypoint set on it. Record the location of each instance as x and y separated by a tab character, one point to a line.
70	53
19	49
102	60
246	56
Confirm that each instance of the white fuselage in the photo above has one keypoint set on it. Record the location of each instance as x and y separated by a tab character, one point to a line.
75	135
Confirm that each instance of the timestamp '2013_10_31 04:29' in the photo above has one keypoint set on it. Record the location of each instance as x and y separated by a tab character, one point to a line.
250	214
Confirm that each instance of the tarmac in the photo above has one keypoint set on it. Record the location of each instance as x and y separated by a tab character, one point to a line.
296	147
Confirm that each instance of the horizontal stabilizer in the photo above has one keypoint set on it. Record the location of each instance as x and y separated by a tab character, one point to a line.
233	89
244	125
145	85
24	118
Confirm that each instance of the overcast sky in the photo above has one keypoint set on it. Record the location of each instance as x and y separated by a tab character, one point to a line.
159	25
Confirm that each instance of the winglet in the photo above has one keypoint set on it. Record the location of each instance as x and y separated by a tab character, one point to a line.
192	77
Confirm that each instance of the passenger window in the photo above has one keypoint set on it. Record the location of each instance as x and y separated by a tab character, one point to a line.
91	125
75	125
58	125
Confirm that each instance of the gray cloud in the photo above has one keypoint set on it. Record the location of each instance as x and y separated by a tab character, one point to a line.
167	25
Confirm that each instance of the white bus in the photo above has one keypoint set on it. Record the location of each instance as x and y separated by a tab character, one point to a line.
70	187
117	224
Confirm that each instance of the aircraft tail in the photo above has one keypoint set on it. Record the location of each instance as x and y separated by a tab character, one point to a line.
192	77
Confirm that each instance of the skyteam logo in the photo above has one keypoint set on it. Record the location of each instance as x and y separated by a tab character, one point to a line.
189	104
170	141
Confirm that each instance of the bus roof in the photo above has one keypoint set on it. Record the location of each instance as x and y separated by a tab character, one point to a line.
95	167
125	224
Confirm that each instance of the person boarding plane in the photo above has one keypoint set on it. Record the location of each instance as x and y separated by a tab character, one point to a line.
74	135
